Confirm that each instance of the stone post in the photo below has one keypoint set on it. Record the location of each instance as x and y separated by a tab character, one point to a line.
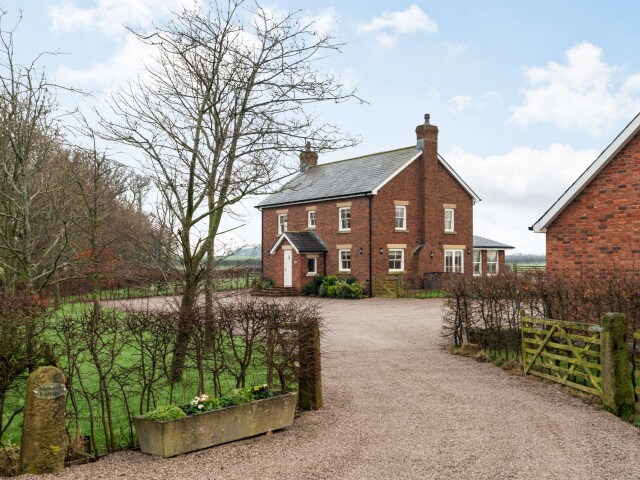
44	440
617	384
309	375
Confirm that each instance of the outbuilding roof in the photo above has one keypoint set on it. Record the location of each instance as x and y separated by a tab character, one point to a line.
349	178
589	174
481	242
302	242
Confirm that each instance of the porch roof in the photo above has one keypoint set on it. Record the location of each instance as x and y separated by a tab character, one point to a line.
302	242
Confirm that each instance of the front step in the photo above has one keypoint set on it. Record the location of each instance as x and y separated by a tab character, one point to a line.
276	292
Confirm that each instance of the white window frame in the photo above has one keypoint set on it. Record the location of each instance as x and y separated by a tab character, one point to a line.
311	219
282	226
340	260
492	263
396	250
453	254
452	227
478	263
341	226
402	217
315	266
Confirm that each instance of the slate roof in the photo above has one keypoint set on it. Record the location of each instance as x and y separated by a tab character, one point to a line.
303	242
351	177
345	178
481	242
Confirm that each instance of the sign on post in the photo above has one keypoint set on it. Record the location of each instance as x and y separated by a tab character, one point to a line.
44	439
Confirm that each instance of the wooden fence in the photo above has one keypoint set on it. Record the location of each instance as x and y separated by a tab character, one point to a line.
569	353
524	268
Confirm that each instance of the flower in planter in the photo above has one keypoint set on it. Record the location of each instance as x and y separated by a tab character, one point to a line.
205	403
202	403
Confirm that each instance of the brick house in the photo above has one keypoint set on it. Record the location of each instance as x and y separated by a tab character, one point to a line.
489	256
593	229
402	212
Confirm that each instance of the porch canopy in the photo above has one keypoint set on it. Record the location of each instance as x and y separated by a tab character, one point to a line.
302	242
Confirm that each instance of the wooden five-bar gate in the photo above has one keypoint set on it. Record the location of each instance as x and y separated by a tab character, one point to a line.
569	353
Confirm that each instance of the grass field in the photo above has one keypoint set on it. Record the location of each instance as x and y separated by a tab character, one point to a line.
124	388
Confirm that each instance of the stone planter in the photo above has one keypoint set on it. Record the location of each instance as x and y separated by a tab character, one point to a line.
207	429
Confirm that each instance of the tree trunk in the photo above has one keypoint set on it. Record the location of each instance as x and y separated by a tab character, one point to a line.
57	299
209	287
185	329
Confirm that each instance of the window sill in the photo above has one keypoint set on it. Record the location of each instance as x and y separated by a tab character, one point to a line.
343	271
402	230
311	228
312	274
344	231
396	272
449	232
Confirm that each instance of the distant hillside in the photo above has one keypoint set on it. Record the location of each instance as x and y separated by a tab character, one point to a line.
526	259
249	256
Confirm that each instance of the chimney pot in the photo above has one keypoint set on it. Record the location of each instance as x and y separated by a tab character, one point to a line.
308	158
427	118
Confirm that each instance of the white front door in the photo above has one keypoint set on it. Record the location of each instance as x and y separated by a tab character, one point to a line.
288	268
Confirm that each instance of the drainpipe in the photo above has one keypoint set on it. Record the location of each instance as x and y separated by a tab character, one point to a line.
262	247
370	247
324	263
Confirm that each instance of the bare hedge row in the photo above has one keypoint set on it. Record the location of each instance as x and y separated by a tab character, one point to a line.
486	309
118	364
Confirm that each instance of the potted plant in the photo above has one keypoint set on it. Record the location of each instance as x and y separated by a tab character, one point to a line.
208	421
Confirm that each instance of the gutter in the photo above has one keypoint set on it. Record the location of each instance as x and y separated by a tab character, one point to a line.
313	200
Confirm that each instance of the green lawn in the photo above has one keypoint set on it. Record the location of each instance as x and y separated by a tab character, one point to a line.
125	393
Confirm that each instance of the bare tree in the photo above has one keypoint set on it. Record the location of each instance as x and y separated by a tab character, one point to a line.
99	185
33	232
229	96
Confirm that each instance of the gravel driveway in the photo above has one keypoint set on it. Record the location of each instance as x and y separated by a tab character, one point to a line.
397	406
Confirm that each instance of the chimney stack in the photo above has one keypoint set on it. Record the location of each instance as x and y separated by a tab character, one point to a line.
308	158
426	131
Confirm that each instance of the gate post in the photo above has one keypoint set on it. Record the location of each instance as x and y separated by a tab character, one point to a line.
309	370
617	384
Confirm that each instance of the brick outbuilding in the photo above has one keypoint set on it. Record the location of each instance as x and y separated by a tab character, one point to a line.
404	213
593	229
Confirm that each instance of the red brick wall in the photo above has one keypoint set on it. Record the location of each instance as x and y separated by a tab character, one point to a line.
597	234
327	230
405	187
502	264
441	188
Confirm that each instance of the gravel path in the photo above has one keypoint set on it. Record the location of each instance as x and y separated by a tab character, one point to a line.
397	406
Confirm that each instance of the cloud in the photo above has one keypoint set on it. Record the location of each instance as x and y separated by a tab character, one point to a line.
517	187
110	16
455	49
459	103
391	24
482	103
386	40
117	69
324	22
584	93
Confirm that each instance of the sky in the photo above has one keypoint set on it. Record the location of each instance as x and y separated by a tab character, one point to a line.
525	94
